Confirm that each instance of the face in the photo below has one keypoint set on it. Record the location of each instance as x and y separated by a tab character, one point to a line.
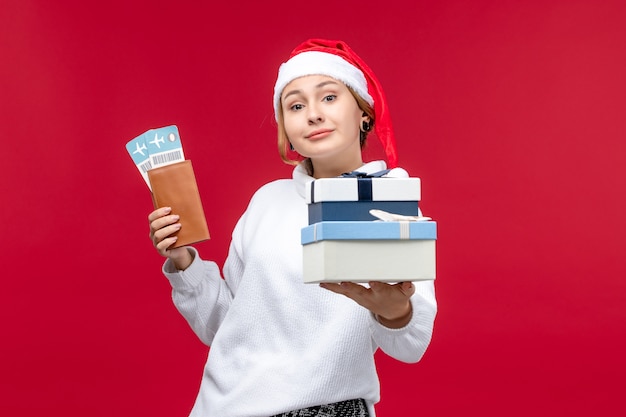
322	120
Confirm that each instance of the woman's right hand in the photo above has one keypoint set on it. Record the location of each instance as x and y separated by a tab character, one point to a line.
162	225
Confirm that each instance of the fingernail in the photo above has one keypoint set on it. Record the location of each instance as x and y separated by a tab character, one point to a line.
167	209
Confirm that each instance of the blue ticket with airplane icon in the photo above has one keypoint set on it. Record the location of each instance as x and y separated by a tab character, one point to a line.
155	148
164	146
138	152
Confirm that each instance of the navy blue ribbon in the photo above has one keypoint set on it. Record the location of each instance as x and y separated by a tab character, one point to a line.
364	181
359	174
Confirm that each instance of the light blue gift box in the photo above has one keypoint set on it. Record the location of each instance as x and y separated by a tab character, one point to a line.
361	251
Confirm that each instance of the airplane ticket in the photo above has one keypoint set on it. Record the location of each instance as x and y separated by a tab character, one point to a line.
155	148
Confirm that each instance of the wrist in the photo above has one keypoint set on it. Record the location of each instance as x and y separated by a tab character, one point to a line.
182	259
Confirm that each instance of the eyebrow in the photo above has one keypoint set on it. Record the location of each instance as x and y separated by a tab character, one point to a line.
320	85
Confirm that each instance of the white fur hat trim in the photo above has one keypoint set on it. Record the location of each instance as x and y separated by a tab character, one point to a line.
320	63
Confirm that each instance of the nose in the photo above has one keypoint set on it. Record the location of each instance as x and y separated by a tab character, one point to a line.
314	114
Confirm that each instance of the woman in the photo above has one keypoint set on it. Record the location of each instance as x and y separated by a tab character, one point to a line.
279	346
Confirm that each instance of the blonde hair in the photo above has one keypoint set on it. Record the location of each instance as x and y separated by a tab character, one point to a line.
283	140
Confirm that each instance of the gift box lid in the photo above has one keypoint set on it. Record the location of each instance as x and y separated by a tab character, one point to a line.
373	230
356	189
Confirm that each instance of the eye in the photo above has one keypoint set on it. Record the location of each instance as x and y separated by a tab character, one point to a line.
296	107
330	97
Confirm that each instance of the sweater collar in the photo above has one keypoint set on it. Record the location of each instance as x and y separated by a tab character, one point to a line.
301	177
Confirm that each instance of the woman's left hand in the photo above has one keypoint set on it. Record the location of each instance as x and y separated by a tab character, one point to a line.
389	302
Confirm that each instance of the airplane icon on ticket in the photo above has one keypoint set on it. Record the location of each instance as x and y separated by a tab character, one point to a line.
156	140
140	148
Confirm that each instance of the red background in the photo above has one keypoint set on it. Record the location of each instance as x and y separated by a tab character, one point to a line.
512	113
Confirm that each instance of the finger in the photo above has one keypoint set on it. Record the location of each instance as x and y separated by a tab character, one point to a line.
164	232
353	289
162	246
336	288
378	286
162	222
355	292
160	212
345	288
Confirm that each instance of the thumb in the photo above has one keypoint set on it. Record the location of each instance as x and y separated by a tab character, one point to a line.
407	287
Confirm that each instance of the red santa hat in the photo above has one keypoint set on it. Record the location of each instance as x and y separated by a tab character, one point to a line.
335	59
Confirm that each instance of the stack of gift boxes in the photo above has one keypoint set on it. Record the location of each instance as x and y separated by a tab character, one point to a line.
345	242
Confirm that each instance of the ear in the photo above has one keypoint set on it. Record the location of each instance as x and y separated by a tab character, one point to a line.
366	126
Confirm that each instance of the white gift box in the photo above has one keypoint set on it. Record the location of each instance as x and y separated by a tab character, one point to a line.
363	189
369	251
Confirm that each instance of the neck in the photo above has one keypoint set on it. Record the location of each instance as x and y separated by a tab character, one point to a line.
322	169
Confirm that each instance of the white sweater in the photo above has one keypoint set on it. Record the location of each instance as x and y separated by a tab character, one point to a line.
277	344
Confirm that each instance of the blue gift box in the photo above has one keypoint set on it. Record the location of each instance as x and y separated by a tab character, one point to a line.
377	230
369	251
358	210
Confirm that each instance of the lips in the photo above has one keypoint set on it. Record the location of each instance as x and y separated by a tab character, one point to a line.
318	134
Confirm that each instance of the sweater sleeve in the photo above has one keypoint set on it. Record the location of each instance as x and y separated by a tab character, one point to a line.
409	343
200	295
199	292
